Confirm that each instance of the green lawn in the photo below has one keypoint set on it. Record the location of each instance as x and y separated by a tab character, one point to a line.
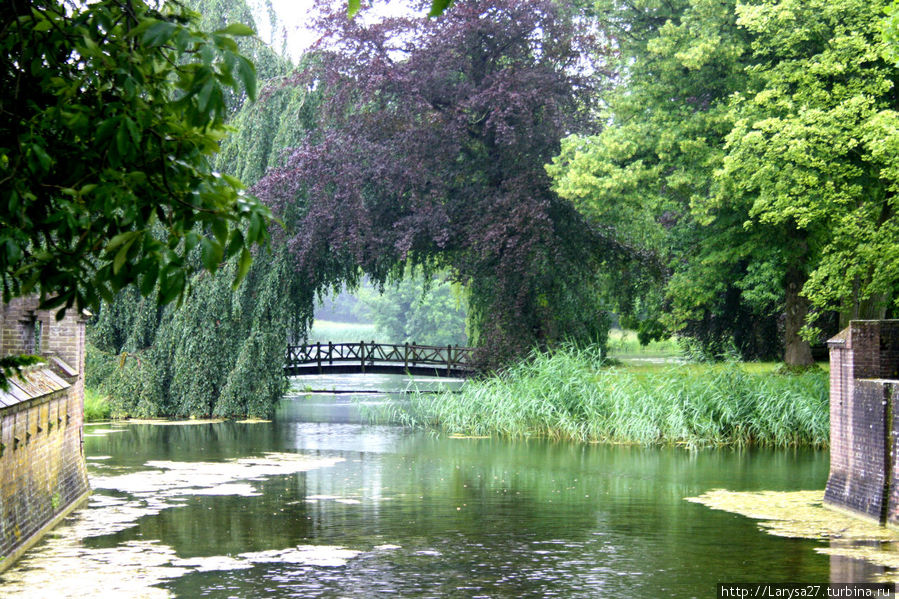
343	332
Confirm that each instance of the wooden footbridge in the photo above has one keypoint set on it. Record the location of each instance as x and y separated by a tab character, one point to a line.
379	358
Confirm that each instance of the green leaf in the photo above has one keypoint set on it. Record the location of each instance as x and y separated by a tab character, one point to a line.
205	94
235	244
255	229
120	239
211	253
243	266
237	29
121	142
148	279
13	252
133	131
233	181
104	292
247	73
53	302
190	241
352	8
438	7
172	286
29	283
158	33
121	256
220	230
42	156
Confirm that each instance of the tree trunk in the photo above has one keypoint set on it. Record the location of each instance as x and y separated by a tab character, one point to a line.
872	308
797	351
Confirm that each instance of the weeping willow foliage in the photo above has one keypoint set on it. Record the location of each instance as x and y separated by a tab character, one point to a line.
221	352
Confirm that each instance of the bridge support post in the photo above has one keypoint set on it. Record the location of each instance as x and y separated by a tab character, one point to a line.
330	353
362	355
318	355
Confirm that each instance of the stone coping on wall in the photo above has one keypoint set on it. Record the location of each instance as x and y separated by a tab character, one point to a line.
63	367
33	383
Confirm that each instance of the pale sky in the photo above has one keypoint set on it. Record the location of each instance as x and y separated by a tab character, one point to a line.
294	16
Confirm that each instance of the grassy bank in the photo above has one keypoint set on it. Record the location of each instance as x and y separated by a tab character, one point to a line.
624	343
96	406
344	332
571	395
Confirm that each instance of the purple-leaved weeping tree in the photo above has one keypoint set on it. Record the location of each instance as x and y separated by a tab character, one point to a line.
431	152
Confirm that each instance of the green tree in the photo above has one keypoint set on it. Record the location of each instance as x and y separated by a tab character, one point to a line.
112	111
753	147
221	352
411	311
641	176
814	151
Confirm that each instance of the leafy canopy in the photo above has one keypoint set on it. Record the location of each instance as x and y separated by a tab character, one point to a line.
752	146
112	111
815	146
434	136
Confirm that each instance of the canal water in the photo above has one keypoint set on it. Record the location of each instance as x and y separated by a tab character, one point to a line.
318	503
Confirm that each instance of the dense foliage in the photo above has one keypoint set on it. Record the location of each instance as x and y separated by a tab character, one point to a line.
415	310
814	150
112	111
435	136
667	123
221	352
750	145
732	177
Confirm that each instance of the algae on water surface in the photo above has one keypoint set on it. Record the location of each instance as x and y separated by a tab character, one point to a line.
802	514
63	566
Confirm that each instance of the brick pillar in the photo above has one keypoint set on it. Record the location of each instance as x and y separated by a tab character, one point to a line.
864	420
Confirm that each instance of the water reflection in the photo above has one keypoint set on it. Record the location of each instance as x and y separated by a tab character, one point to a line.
424	515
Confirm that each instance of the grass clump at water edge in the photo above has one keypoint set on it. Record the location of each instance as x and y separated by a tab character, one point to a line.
570	394
96	406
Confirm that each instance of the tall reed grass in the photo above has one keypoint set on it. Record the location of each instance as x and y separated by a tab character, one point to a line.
569	394
96	406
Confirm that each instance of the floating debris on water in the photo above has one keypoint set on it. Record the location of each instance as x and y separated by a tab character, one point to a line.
169	478
61	566
310	555
798	514
102	432
160	422
802	514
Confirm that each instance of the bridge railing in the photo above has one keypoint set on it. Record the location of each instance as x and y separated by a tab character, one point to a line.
368	353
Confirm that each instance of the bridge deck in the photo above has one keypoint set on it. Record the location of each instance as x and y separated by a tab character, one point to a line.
378	358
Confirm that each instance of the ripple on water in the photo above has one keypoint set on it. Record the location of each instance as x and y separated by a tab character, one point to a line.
61	566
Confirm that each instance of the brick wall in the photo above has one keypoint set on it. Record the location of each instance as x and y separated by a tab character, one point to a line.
864	420
42	468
